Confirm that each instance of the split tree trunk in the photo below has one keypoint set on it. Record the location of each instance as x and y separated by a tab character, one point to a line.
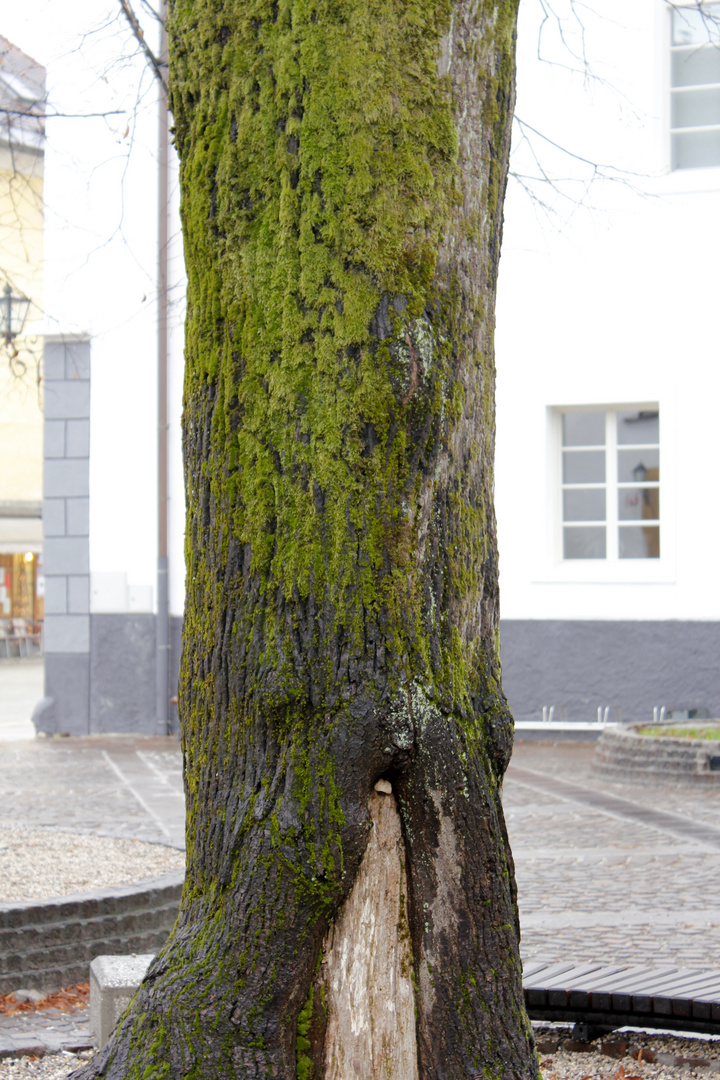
343	167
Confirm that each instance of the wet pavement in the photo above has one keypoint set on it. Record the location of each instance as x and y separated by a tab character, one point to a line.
606	871
611	872
21	687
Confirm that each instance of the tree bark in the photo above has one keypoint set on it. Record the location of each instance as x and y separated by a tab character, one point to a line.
343	164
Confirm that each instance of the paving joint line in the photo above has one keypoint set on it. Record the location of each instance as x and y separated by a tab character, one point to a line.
118	772
160	775
662	821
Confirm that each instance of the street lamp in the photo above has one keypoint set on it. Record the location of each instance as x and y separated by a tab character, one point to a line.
13	313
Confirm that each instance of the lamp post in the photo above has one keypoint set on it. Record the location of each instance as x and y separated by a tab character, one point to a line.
13	313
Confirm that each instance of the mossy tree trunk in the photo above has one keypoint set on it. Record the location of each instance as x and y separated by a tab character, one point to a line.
343	168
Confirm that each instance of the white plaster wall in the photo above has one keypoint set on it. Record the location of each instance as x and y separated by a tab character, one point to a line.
607	297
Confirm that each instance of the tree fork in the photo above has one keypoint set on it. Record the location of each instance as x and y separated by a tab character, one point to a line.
343	164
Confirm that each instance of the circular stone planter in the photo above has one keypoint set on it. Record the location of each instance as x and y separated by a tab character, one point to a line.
625	753
48	944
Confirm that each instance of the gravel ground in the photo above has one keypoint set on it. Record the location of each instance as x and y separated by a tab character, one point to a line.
35	864
50	1067
626	1055
559	1064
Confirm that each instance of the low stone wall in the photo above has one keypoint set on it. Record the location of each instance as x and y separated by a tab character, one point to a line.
624	753
49	944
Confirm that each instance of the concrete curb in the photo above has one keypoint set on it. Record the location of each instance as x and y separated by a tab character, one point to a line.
49	944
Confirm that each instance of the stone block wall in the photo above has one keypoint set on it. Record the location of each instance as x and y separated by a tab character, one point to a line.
45	945
66	535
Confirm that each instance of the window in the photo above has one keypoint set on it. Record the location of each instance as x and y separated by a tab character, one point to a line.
610	484
695	86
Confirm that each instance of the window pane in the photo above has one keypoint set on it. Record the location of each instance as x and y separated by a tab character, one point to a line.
585	542
584	466
696	66
695	149
695	26
586	504
638	465
638	427
583	429
639	543
639	504
696	108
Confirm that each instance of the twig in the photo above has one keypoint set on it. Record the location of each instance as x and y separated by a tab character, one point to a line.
140	37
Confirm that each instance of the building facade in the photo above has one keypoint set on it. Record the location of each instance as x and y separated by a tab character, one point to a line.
101	490
22	98
606	386
607	356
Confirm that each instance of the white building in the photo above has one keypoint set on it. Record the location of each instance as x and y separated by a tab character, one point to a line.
104	568
608	364
607	357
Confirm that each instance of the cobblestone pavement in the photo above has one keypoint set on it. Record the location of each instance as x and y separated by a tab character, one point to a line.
594	885
45	1031
113	786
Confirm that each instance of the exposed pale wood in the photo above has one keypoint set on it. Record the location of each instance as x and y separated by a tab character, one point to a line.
367	965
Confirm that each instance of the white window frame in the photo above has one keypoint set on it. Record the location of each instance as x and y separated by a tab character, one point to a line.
671	49
611	485
552	567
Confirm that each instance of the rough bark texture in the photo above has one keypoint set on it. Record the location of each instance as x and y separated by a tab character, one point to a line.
343	166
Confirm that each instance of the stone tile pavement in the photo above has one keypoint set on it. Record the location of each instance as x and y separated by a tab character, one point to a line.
593	884
44	1032
121	786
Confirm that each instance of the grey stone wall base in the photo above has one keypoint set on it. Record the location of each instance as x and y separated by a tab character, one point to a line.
579	666
66	685
111	688
45	946
113	983
122	674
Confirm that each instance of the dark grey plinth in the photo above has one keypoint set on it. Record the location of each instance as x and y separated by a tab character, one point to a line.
122	674
579	666
65	707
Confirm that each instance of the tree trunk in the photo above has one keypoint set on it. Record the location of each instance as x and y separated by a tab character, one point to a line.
343	164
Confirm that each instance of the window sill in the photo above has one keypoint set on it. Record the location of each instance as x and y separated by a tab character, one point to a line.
606	572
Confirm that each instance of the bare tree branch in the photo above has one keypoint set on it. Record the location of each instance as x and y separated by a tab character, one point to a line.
140	38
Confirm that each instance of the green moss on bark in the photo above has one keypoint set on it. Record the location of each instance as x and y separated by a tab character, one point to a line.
342	169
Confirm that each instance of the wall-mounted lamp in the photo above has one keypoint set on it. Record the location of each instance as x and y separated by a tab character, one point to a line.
13	313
